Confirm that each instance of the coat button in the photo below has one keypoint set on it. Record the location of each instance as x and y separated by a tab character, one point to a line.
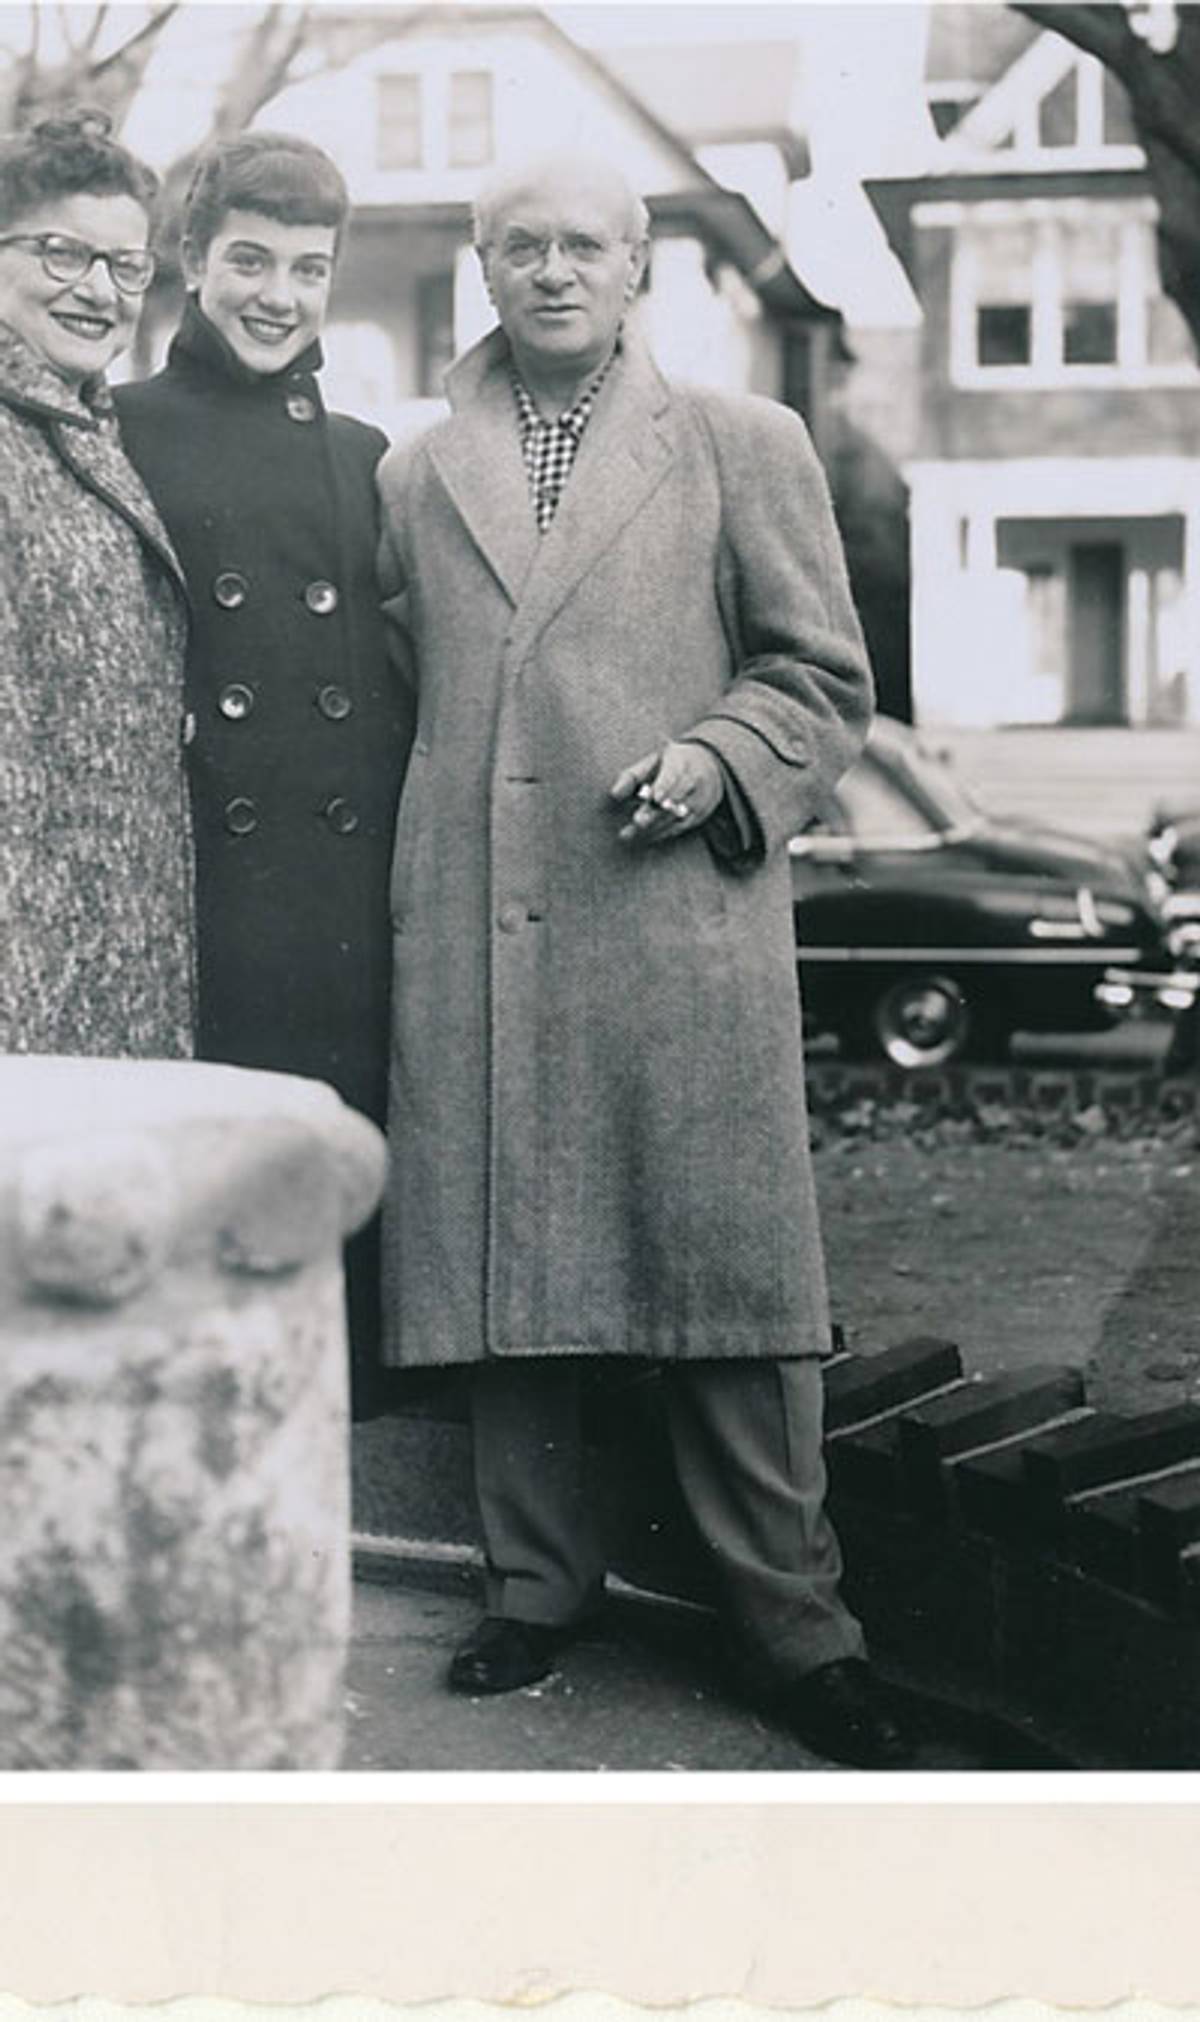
229	589
512	917
236	701
189	726
340	815
321	598
301	407
334	702
241	817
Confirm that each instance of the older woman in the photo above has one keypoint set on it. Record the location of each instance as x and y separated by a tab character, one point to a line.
95	860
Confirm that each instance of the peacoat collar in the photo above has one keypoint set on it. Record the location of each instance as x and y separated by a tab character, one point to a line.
82	425
199	350
624	456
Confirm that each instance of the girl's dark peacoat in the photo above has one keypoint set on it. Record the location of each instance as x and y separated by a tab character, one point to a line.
298	727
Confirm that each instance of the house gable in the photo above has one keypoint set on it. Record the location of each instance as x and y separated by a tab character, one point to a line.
419	113
1055	107
392	117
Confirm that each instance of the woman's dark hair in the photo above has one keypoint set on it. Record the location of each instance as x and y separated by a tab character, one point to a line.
277	174
69	154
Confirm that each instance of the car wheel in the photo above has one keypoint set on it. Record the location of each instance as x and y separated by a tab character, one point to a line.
927	1020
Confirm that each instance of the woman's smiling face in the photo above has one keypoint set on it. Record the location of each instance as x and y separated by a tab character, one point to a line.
264	285
75	327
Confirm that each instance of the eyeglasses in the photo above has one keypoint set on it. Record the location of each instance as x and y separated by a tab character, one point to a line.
578	249
67	259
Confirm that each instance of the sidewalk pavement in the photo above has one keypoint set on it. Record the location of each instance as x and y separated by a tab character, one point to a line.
638	1692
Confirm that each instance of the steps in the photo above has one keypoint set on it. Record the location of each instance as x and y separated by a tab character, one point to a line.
1008	1548
1007	1544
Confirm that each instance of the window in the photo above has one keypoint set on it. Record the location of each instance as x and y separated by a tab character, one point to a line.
1004	333
470	139
1089	333
398	113
1001	257
1052	294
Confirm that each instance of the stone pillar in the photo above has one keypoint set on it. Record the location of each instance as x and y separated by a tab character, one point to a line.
174	1472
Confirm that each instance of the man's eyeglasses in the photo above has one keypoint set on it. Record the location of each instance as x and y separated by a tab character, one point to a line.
577	249
67	259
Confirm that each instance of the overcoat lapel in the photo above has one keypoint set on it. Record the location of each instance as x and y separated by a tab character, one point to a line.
622	459
480	463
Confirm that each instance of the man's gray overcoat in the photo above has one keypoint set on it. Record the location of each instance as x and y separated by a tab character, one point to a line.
599	1141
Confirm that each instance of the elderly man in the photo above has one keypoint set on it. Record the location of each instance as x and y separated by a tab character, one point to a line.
639	671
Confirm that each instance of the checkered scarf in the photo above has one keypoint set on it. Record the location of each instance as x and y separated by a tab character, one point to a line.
550	447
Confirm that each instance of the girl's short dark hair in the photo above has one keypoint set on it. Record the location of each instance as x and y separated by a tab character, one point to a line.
277	174
69	154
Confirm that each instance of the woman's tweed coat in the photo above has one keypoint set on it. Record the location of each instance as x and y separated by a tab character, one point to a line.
599	1142
95	858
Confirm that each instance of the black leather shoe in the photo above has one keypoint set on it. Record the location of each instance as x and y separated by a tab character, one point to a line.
501	1655
839	1710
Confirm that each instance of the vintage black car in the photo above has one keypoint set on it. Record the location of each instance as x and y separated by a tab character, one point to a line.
1174	845
928	931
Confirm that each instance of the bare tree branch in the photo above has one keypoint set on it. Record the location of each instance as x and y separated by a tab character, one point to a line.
99	17
1102	31
66	30
271	48
149	32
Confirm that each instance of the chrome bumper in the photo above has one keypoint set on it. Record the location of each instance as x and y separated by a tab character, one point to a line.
1139	989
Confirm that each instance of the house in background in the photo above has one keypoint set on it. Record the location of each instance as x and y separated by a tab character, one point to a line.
423	104
742	107
1054	459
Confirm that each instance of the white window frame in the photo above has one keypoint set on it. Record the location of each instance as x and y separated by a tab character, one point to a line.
435	89
413	77
461	70
1136	281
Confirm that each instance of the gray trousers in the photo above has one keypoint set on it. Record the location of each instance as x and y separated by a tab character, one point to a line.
746	1440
